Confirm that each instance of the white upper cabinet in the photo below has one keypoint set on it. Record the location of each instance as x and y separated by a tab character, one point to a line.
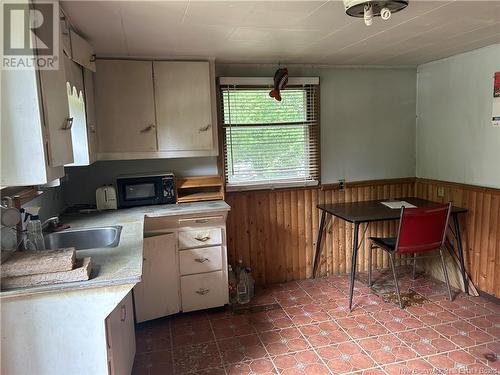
125	108
24	156
35	126
80	92
57	120
183	107
81	51
161	109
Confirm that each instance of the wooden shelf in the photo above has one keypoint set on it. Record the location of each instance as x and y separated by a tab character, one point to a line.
196	189
190	182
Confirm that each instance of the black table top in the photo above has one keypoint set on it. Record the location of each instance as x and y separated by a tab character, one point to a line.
369	211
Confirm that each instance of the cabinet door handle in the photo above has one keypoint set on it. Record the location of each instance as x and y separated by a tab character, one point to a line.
205	128
69	124
92	128
202	239
148	128
202	260
202	291
123	313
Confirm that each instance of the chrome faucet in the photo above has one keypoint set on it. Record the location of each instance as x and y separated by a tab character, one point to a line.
51	222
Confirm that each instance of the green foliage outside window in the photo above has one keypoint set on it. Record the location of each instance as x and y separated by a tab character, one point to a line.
266	140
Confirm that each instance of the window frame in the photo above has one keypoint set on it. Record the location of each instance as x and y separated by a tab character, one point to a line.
315	139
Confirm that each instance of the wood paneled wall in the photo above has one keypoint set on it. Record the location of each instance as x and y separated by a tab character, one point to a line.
480	228
275	231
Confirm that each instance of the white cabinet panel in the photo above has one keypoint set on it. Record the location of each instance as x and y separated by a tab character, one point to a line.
56	114
88	80
81	51
203	291
157	294
121	337
125	106
183	106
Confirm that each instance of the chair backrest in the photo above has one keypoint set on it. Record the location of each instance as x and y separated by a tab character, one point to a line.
422	229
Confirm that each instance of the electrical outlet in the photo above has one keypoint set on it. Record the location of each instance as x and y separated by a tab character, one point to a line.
342	184
440	191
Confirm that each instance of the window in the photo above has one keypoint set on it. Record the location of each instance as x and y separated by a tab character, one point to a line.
270	144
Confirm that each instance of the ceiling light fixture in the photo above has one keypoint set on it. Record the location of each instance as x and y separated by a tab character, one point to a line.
369	9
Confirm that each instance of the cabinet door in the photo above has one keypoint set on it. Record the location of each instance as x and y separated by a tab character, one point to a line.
183	106
125	106
56	114
121	337
81	51
157	294
88	80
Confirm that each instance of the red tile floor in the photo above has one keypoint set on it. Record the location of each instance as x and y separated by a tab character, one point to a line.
311	331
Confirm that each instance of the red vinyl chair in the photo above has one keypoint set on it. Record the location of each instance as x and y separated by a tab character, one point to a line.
421	230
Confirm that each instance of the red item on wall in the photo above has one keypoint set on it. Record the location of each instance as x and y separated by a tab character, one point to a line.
496	85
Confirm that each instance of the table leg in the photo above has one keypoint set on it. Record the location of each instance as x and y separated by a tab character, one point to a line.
458	237
353	263
317	254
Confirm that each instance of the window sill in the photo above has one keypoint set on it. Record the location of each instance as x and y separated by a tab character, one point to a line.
270	185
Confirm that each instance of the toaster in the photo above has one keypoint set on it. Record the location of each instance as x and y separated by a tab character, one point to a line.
105	197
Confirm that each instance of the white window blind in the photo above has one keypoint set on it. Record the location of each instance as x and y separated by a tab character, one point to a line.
270	144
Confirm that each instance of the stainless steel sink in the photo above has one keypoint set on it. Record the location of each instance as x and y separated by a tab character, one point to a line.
85	238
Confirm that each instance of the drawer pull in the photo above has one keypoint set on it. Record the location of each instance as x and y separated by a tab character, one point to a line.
202	260
202	239
202	291
123	314
205	128
148	128
68	124
201	221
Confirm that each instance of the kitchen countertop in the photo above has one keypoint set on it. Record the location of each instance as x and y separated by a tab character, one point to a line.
122	264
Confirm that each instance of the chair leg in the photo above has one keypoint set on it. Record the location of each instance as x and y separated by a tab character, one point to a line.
370	250
391	260
414	274
445	271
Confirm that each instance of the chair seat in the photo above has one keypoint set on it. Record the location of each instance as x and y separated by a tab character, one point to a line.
388	243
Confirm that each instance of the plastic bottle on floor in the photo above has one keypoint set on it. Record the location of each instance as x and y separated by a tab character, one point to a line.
242	289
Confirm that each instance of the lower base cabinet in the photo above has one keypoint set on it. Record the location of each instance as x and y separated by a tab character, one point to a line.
185	265
120	336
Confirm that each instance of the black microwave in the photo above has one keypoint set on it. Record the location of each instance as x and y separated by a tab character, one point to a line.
146	189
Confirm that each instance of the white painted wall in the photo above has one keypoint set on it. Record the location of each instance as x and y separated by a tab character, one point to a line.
367	119
455	139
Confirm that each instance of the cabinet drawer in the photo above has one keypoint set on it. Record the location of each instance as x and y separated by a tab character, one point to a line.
205	259
191	221
200	237
203	220
203	291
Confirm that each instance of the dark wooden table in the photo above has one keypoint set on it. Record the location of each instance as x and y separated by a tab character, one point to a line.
372	211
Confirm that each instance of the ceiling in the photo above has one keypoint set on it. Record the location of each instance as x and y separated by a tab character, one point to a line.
303	32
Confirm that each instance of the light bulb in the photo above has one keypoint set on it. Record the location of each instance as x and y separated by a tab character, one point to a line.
385	13
368	14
